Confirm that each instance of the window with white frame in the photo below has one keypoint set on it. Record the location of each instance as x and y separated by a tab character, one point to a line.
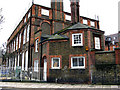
22	61
36	45
24	35
18	60
77	39
113	48
92	23
114	38
24	19
28	14
28	33
12	62
14	45
26	61
36	65
55	63
113	42
45	12
68	17
16	42
19	40
84	21
97	42
15	63
78	62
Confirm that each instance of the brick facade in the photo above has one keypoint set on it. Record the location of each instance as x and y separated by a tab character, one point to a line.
55	40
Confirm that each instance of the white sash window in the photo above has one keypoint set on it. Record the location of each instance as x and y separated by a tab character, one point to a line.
77	39
97	43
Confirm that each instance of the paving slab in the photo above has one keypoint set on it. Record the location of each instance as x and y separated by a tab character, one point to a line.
114	89
82	89
55	86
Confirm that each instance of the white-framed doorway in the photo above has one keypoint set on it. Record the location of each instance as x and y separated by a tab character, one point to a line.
45	70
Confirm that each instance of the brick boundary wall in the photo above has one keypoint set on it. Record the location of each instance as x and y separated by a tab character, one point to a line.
117	55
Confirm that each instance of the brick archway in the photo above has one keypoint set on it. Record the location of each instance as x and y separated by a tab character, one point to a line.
44	22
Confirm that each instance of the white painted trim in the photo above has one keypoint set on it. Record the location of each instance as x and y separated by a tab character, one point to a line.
36	66
45	12
52	63
97	42
36	45
77	67
81	39
26	61
23	61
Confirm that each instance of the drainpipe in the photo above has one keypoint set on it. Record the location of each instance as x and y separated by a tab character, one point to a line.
41	55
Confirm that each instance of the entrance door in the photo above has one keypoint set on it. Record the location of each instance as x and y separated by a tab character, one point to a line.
45	70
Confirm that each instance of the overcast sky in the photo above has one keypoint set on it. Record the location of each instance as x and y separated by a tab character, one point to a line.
107	10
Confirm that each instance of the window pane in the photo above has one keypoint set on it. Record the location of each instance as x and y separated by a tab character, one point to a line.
81	61
36	45
97	43
77	39
74	61
23	61
36	65
28	33
55	62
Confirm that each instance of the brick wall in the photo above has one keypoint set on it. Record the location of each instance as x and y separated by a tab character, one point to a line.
66	74
105	57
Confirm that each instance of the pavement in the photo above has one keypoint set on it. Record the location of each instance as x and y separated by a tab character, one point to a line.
53	86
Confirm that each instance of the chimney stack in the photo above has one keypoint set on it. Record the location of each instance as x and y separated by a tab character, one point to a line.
57	6
75	17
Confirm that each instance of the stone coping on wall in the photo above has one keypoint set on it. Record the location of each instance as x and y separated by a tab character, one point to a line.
98	52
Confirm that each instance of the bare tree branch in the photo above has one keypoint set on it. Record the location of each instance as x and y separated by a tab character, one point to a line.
2	19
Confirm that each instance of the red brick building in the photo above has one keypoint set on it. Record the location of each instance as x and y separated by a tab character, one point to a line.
111	42
68	50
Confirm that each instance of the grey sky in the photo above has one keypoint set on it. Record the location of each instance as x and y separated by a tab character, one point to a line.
107	10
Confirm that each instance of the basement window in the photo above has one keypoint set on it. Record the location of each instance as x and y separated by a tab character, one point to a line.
78	62
55	63
77	39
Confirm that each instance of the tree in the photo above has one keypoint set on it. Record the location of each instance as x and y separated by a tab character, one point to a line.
4	53
1	18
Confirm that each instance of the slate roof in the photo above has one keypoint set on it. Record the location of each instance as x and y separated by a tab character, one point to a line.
56	36
46	36
76	26
114	37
